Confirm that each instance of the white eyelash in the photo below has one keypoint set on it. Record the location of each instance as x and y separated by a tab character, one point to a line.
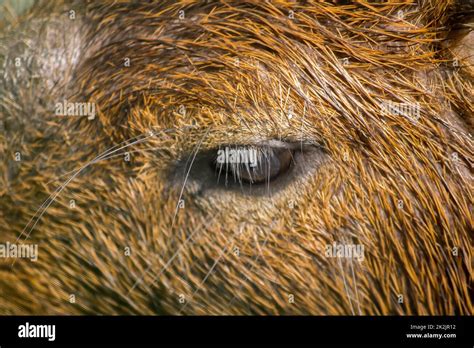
263	153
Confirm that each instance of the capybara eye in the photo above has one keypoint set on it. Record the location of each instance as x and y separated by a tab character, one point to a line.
251	165
259	169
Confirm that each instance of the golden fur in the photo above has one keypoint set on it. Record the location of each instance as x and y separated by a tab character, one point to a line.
400	187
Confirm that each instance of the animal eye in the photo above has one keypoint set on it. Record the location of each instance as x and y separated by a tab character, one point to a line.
256	169
251	165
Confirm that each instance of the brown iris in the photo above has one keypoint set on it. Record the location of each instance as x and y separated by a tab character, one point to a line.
251	165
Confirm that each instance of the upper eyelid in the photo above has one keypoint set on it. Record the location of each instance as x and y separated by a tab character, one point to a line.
290	145
274	144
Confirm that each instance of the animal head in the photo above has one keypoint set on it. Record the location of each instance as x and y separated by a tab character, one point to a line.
238	157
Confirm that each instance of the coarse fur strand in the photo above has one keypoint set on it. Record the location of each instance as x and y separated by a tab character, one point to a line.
400	186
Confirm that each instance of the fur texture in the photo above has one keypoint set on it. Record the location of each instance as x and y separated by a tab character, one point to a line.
227	72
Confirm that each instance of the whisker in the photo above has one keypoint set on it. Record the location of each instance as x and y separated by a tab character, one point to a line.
221	254
253	266
220	169
52	197
106	152
134	151
174	255
356	287
187	175
103	153
59	188
345	286
58	191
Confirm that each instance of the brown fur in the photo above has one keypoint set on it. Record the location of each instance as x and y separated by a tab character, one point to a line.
349	192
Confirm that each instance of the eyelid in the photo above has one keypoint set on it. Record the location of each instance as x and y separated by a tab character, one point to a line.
271	163
290	145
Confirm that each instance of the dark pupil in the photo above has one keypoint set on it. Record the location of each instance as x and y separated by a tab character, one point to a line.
252	165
